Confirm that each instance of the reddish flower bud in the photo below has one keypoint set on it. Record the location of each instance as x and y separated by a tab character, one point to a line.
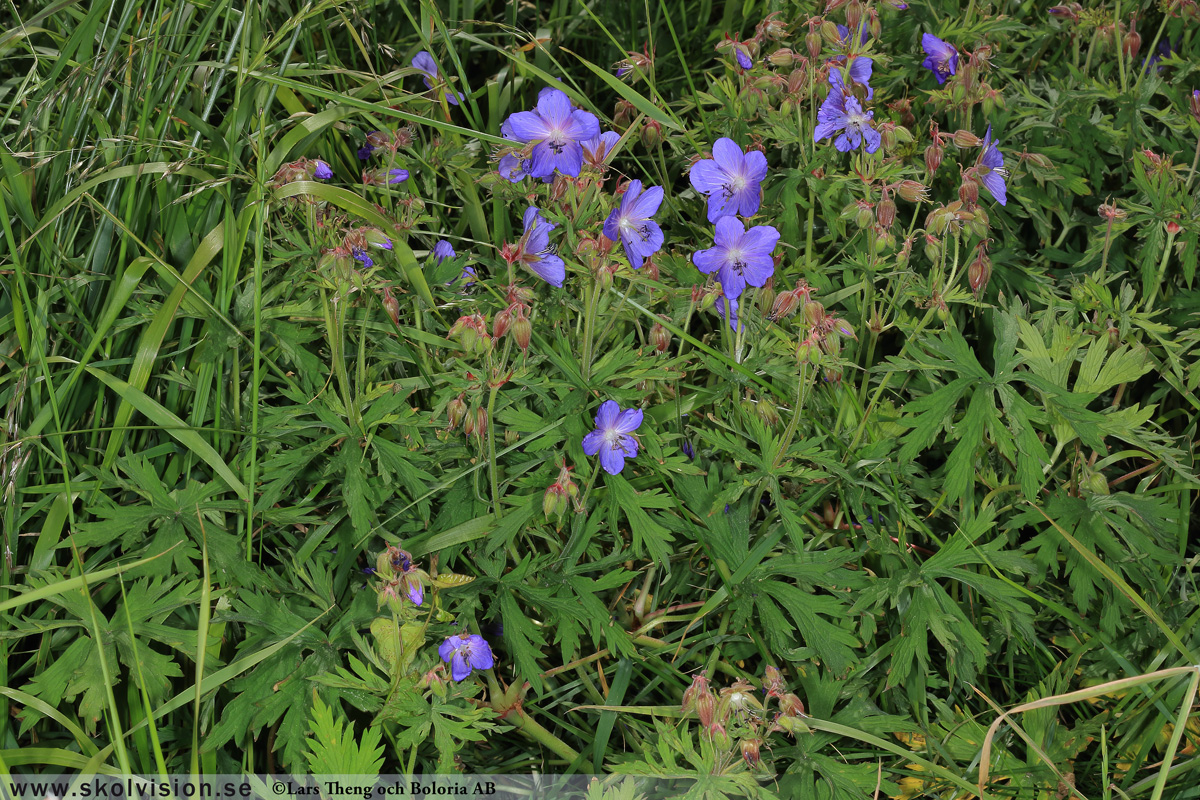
968	193
456	409
965	139
829	33
522	330
885	212
912	191
481	421
501	323
854	15
813	42
750	751
933	248
1194	104
785	305
651	134
623	113
660	337
773	681
933	157
392	306
980	271
1173	227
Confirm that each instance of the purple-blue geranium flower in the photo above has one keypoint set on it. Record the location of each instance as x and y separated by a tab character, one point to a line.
443	250
423	62
464	653
844	34
397	176
991	168
732	180
535	251
363	257
559	130
743	56
842	112
597	151
732	316
941	57
632	224
322	172
740	257
611	438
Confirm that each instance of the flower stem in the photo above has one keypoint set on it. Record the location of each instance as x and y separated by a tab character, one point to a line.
589	326
491	413
1162	270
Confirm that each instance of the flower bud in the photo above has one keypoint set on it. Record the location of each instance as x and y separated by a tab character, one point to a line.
623	113
912	191
1194	104
469	424
808	351
392	306
783	58
501	324
522	330
790	705
979	272
720	739
933	248
456	409
767	413
785	305
964	139
481	421
933	157
773	681
660	337
1068	12
651	134
813	42
968	193
750	751
511	437
829	33
1097	484
554	502
885	212
864	214
1173	227
854	15
977	222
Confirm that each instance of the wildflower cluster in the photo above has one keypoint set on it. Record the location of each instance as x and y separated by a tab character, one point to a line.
738	722
400	580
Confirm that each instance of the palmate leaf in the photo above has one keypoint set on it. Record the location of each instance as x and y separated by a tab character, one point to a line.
649	537
334	748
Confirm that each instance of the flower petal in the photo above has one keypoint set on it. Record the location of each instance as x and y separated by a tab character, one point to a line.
555	108
612	460
607	415
592	442
995	184
526	126
459	668
647	203
706	177
729	232
628	420
551	269
728	155
754	165
424	62
760	240
710	260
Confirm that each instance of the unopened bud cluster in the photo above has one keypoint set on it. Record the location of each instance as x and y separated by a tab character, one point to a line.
737	721
401	582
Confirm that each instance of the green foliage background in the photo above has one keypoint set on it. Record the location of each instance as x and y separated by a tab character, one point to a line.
211	429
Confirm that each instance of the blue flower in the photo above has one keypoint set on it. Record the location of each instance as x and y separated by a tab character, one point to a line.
597	151
632	224
443	250
611	438
844	34
321	170
559	130
535	251
423	62
842	112
941	57
991	168
740	257
732	180
397	176
464	653
743	56
362	257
